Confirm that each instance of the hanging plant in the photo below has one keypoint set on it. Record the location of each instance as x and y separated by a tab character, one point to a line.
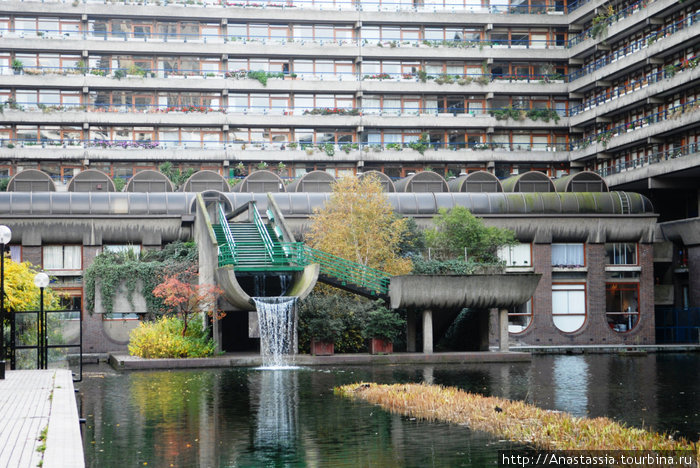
112	270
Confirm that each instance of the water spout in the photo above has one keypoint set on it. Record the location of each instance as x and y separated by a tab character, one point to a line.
277	320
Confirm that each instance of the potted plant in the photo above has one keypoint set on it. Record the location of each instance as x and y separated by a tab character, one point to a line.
17	66
382	327
324	330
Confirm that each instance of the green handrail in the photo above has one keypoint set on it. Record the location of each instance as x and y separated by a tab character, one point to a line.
297	254
347	271
230	241
257	220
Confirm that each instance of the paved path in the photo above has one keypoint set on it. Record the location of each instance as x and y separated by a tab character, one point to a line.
32	401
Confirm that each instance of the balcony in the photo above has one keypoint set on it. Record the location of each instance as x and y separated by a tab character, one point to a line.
631	94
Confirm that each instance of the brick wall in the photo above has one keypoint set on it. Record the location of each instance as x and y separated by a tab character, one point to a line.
595	330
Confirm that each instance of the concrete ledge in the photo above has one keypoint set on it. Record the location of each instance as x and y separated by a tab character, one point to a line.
602	349
64	442
123	362
413	358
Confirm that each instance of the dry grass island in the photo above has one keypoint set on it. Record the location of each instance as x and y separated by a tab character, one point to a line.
513	420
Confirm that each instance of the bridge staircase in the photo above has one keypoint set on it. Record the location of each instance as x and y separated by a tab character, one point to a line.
257	246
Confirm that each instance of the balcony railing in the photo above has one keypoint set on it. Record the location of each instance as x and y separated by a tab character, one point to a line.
449	6
614	18
311	148
263	77
279	39
605	136
653	158
430	109
635	46
635	85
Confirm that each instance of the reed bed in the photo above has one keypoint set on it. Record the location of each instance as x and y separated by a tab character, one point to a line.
513	420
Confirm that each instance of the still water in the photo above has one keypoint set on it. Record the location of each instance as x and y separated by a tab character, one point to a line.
254	418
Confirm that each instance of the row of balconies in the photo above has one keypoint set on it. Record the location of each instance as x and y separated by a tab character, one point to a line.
414	50
199	116
275	152
644	128
656	164
636	91
637	54
405	83
381	11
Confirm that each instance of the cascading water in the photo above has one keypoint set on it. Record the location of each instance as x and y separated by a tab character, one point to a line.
278	329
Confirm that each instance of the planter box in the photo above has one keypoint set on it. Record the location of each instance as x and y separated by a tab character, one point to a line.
380	346
321	348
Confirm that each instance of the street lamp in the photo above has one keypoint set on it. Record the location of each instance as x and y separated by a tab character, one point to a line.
5	236
41	280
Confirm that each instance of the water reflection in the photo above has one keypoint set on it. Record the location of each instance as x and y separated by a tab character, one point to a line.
571	384
275	393
245	417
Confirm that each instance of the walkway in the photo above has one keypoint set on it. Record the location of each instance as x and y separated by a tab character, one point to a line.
32	401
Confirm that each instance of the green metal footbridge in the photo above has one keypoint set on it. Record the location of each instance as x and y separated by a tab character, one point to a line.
256	246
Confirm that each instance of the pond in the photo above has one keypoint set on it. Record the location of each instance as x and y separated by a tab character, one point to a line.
243	417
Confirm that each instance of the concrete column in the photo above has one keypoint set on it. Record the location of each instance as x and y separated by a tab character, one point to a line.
411	331
503	330
428	331
694	275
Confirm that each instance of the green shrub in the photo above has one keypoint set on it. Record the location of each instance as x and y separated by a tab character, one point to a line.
163	339
383	323
343	316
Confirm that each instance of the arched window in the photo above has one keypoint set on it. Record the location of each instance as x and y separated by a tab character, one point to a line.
569	306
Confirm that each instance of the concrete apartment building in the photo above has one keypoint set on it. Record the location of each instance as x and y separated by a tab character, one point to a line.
455	86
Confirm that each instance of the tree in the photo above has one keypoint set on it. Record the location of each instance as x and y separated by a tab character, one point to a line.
20	292
185	299
458	229
358	224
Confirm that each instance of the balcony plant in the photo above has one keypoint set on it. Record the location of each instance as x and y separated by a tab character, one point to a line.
382	327
17	66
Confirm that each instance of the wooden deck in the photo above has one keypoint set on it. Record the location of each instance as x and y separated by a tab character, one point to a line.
32	401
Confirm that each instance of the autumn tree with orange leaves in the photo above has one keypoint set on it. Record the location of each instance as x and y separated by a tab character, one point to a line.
186	300
359	224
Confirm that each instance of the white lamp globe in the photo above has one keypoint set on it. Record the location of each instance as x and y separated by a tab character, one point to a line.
41	280
5	235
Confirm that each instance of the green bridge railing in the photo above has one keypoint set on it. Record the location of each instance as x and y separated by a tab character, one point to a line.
296	255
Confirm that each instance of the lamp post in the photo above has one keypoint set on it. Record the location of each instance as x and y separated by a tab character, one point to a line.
41	280
5	236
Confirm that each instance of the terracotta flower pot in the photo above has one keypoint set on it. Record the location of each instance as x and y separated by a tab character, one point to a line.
321	348
380	346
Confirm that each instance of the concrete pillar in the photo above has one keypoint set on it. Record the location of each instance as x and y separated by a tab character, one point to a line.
694	275
428	376
428	331
411	331
503	330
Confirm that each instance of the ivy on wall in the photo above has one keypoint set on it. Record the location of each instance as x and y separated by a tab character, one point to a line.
110	270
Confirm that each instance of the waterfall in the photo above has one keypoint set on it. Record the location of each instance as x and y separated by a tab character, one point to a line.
278	329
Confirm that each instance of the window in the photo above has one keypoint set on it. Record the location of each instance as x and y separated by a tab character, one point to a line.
568	306
123	249
16	253
622	253
520	317
515	255
567	255
622	305
62	257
